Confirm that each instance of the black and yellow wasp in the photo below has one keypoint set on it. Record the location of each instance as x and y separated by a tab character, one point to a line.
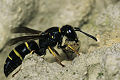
47	40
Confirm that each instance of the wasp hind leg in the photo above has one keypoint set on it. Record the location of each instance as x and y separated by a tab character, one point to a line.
58	61
73	49
16	72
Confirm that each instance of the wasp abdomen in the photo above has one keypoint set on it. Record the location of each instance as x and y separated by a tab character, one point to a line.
11	64
17	55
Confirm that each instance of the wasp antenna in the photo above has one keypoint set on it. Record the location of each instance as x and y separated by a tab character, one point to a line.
78	29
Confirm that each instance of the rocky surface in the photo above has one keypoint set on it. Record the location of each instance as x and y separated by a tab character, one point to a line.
61	12
102	64
98	60
104	25
12	14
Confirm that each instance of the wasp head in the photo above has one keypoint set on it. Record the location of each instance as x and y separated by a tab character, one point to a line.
69	32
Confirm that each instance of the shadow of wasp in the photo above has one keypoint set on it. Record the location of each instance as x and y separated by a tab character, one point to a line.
47	40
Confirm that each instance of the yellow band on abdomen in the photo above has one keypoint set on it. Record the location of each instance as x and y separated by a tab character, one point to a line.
17	54
9	57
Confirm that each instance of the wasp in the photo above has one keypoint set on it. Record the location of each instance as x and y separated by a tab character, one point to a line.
48	39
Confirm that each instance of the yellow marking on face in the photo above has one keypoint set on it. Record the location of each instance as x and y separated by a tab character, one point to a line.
27	46
51	51
9	57
59	30
73	49
17	54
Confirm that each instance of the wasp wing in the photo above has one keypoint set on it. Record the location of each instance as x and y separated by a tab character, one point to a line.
23	29
23	39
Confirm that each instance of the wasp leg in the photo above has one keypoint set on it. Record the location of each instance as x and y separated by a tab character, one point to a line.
73	49
51	51
56	52
32	51
16	72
